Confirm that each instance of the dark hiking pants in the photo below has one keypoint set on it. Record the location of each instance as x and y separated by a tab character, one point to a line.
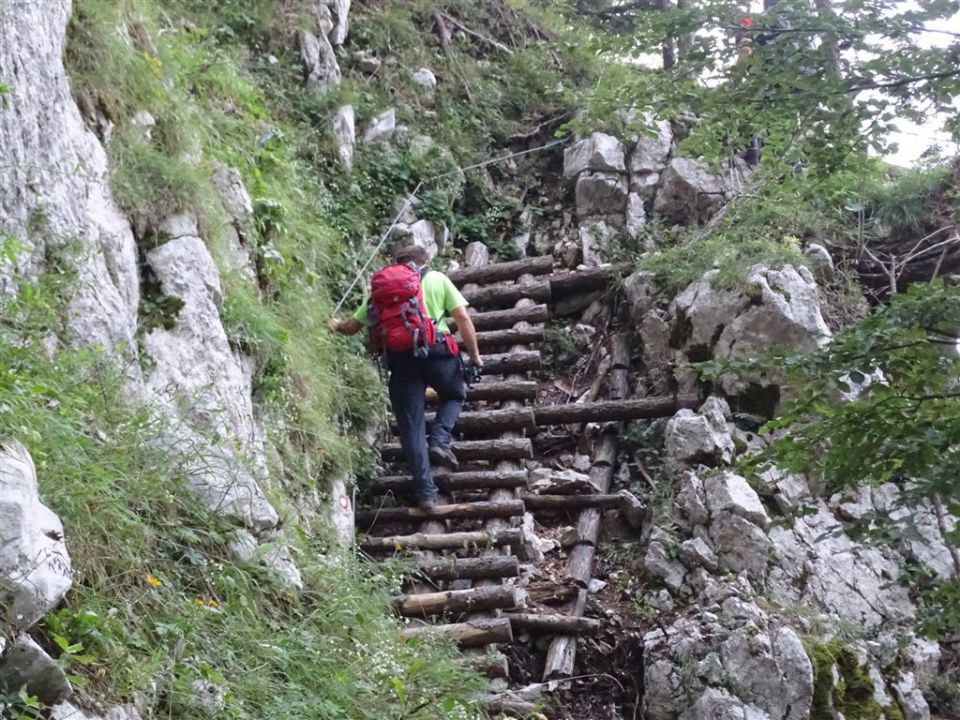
409	379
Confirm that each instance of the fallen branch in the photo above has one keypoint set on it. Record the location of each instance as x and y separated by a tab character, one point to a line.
479	36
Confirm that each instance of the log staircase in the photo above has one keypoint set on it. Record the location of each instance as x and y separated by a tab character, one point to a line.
473	551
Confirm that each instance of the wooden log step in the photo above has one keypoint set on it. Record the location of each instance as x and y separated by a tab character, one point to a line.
498	272
556	624
446	541
472	450
526	418
582	281
504	295
457	601
456	511
501	319
570	502
510	337
467	480
491	390
473	633
511	362
615	410
493	665
454	568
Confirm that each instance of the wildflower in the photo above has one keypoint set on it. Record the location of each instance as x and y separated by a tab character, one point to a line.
746	22
153	581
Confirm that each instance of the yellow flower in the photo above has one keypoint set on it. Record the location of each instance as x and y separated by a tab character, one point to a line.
198	601
153	581
213	603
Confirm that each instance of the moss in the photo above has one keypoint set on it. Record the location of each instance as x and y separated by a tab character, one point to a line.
852	695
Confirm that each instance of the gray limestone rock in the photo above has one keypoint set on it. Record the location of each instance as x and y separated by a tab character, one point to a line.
320	68
786	316
596	238
54	174
422	233
382	126
600	193
741	545
699	438
599	152
426	83
475	254
345	135
695	552
658	562
35	569
650	153
208	698
701	313
636	216
365	61
26	663
276	557
719	704
641	292
341	512
689	192
242	546
340	13
820	262
911	700
233	194
727	491
196	375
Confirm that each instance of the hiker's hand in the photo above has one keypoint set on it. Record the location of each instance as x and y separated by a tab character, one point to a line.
478	361
334	324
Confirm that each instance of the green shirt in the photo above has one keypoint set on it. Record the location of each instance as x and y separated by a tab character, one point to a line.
440	296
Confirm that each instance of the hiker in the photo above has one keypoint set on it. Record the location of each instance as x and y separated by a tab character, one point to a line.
419	352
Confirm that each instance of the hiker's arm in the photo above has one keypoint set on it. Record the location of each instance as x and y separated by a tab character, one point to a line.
468	333
350	326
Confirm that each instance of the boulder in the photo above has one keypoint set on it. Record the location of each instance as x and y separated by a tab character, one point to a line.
422	233
26	663
54	174
242	546
700	313
650	153
345	135
636	216
787	315
718	704
365	61
729	492
699	437
233	194
276	557
645	185
426	83
641	293
658	562
601	193
911	700
596	241
341	513
689	192
599	152
320	68
382	126
35	569
695	552
208	698
475	254
820	262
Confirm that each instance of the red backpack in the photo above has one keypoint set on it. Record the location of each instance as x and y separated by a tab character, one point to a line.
397	315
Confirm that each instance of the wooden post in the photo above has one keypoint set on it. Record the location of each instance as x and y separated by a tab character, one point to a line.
457	601
473	633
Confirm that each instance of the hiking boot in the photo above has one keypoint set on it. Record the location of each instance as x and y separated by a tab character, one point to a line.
426	505
443	456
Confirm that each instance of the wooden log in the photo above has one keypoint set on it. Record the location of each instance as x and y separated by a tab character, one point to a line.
501	319
509	337
468	480
457	601
498	272
496	421
446	541
473	633
455	511
555	624
454	568
614	410
584	281
511	362
570	502
471	450
492	390
503	295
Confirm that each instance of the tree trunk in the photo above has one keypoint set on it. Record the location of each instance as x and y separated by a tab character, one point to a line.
501	319
508	338
570	502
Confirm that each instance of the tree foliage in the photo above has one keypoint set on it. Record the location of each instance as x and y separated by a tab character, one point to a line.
817	82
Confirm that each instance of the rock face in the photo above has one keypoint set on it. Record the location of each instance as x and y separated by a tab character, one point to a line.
701	437
601	193
339	11
382	126
35	570
650	152
25	663
53	188
321	71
